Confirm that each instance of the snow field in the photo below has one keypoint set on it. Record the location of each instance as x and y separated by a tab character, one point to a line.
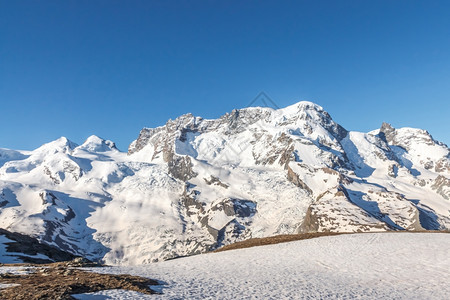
358	266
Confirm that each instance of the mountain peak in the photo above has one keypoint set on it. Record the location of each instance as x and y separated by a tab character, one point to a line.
288	110
97	144
386	132
94	139
64	141
312	116
305	115
306	105
61	144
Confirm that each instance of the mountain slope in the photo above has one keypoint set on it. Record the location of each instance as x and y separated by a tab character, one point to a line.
193	185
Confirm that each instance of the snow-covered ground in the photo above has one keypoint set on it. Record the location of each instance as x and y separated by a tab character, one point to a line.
358	266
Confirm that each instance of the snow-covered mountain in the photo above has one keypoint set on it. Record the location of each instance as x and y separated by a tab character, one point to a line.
194	184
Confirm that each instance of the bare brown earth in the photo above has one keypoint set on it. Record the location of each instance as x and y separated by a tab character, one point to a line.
296	237
61	280
275	240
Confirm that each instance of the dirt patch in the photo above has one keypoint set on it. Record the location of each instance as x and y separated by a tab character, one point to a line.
60	282
275	240
301	236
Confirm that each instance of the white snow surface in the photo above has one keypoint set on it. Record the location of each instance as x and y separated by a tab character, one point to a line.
357	266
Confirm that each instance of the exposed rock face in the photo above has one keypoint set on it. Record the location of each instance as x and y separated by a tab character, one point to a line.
323	215
443	165
311	222
334	211
224	219
387	133
29	250
406	138
216	181
180	167
393	170
193	185
442	186
294	178
227	217
47	198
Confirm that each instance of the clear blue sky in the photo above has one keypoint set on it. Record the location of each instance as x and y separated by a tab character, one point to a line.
76	68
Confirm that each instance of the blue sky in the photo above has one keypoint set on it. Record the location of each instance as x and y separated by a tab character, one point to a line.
76	68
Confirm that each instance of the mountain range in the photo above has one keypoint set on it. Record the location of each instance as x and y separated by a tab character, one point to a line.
194	185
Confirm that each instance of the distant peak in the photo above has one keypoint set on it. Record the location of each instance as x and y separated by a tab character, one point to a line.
304	113
386	126
296	107
94	139
97	144
309	105
387	132
63	142
303	107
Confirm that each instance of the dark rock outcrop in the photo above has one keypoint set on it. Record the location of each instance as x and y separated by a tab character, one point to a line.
295	179
442	186
31	246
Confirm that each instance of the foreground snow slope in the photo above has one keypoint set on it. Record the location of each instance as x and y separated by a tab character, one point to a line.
193	185
361	266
